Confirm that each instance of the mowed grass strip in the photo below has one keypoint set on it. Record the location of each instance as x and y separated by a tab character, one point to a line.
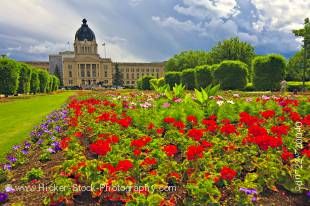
18	117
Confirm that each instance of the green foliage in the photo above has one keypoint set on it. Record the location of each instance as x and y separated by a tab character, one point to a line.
117	77
232	49
56	83
9	75
44	81
33	174
297	86
268	71
144	83
203	76
294	70
58	75
178	91
172	78
187	59
155	83
3	176
24	79
188	78
34	82
232	74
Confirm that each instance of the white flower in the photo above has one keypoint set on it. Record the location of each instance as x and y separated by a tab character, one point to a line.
220	102
230	102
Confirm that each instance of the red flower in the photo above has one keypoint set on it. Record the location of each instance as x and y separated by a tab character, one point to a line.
139	143
228	129
194	152
256	130
192	119
151	126
149	161
169	120
206	144
195	134
160	131
247	119
268	114
295	116
100	147
137	152
171	150
306	152
286	155
280	130
105	116
124	165
176	175
210	125
179	125
64	143
78	134
125	122
227	173
107	166
266	141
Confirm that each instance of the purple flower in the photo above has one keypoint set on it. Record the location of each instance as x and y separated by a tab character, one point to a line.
12	159
40	141
56	146
51	150
254	199
248	191
9	189
24	151
58	129
308	194
3	197
7	167
16	147
27	145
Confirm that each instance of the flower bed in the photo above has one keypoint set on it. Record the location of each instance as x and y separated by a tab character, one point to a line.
174	148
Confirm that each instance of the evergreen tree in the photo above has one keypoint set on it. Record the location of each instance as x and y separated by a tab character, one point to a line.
58	75
117	78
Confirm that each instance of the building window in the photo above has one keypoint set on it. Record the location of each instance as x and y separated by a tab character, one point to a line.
127	69
88	70
132	75
132	70
82	70
138	75
147	70
94	70
70	73
137	69
105	74
157	70
153	70
128	82
69	66
127	75
142	70
70	82
132	82
105	67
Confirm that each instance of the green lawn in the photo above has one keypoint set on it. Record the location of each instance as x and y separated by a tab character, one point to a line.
19	116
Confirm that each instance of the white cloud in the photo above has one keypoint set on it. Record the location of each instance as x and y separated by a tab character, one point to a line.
208	8
280	15
173	23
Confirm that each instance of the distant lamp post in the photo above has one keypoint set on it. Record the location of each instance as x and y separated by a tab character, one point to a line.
105	50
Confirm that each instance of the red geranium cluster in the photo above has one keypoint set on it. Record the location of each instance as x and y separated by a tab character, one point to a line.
210	124
249	120
192	119
280	130
170	150
64	143
265	141
286	155
123	166
141	142
195	134
228	129
149	161
100	147
228	173
268	114
194	152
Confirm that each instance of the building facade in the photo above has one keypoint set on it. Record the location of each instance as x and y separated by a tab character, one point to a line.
85	68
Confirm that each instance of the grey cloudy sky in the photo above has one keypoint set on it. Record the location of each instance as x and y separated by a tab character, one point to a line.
148	30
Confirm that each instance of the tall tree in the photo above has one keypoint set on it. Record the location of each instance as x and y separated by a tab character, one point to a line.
305	34
186	60
117	77
294	70
232	49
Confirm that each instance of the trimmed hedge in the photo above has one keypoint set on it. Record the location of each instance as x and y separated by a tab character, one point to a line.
24	79
268	71
188	78
203	76
9	75
144	83
34	82
44	81
173	78
297	86
232	74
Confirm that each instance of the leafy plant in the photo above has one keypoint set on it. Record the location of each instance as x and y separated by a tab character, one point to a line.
33	174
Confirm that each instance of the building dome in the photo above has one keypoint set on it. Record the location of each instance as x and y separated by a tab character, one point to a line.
84	33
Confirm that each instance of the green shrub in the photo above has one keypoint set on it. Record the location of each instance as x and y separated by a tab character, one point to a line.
34	82
231	74
269	71
203	76
56	83
144	83
33	174
297	86
172	78
9	74
188	78
24	79
44	81
249	87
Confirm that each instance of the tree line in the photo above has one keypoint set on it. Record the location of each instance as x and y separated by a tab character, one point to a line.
21	78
